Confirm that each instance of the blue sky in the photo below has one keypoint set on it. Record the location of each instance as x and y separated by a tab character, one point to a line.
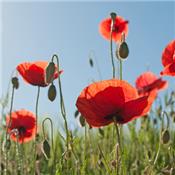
36	30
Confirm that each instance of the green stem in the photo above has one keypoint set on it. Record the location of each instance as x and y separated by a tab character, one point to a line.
8	126
36	113
43	128
105	161
63	111
36	110
120	60
112	57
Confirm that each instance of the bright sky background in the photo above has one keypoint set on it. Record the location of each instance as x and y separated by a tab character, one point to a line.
36	30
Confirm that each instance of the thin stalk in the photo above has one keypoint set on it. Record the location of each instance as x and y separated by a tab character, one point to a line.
63	111
111	53
8	126
36	110
120	61
105	161
43	129
36	113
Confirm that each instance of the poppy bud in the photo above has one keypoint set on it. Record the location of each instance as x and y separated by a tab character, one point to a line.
52	92
165	136
46	149
122	51
91	62
15	82
50	70
76	113
82	121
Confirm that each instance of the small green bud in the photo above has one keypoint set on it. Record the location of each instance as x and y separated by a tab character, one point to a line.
122	51
50	70
46	149
165	136
52	92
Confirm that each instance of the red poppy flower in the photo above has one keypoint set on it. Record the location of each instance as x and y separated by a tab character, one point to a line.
34	72
120	26
25	123
148	82
168	59
103	101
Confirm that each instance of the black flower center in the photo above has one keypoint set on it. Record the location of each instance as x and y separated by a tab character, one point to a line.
117	117
21	130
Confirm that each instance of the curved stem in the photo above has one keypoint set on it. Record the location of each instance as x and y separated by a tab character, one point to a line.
43	128
63	111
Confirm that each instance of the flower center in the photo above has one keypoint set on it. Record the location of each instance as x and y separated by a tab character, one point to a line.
21	130
117	117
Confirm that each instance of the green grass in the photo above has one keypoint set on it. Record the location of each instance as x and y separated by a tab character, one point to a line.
94	151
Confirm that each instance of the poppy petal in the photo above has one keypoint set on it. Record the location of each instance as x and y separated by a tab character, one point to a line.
138	107
148	81
169	70
168	54
99	101
120	26
34	72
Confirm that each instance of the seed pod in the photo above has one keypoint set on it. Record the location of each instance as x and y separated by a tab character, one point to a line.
15	82
165	136
46	149
113	15
52	92
123	51
50	70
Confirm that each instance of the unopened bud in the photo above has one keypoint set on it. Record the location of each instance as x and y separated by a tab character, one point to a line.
82	121
165	136
7	144
15	82
50	70
46	149
52	92
122	51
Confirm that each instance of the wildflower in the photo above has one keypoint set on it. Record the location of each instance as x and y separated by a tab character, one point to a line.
148	82
103	102
24	122
120	26
35	72
168	59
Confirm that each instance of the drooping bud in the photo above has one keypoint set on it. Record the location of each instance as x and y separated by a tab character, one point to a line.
91	62
122	51
165	136
52	92
76	113
15	82
50	70
46	149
